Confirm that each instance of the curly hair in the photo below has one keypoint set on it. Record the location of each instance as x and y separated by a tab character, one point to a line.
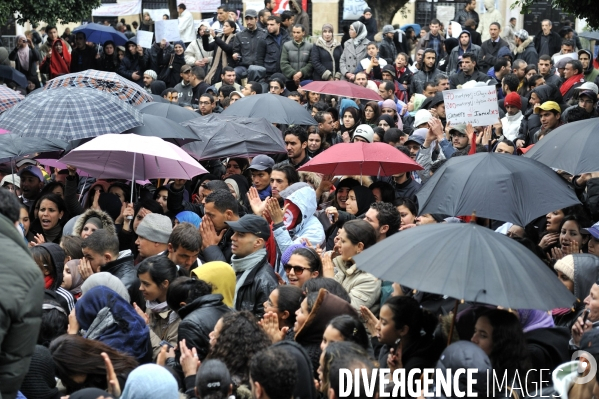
510	352
239	339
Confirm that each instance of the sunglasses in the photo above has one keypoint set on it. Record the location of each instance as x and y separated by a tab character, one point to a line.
298	270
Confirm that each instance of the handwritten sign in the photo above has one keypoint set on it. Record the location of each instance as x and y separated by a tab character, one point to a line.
353	9
558	58
144	38
477	106
167	29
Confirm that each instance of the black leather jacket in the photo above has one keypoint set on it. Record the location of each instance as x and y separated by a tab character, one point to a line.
256	288
124	269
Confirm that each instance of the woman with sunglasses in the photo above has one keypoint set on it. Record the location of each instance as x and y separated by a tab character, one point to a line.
304	264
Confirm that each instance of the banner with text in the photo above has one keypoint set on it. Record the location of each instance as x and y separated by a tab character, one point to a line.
118	9
477	106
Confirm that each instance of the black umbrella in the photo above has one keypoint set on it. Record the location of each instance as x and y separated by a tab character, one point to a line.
571	147
157	126
15	146
231	136
273	108
467	262
170	111
497	186
12	75
159	99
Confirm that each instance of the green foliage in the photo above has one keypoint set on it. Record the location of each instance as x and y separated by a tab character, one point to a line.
584	9
385	10
49	11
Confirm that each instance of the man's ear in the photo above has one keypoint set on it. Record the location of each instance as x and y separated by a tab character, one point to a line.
257	390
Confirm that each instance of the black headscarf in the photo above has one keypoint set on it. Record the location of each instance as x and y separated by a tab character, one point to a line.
364	198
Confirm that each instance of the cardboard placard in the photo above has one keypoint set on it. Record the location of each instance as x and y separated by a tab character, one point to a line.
477	106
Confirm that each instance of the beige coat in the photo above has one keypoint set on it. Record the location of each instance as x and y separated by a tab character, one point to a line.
160	330
363	288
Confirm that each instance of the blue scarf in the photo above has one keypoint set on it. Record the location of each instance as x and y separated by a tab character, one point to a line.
267	192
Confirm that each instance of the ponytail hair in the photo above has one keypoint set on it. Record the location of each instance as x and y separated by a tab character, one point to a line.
407	312
351	329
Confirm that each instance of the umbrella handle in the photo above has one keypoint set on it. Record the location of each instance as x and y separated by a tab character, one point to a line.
455	314
132	182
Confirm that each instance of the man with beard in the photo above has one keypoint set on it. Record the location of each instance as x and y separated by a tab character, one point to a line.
427	73
467	73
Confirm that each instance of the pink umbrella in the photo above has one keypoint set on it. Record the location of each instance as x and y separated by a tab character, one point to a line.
368	159
129	156
56	164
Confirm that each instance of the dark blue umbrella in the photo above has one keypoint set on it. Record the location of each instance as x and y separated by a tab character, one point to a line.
11	74
97	33
416	28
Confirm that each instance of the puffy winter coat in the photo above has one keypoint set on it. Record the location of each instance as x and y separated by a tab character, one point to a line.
22	288
107	223
295	57
363	288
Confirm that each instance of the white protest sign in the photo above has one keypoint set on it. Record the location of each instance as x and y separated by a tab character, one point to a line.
456	29
477	106
144	38
118	9
201	6
167	29
353	9
197	22
445	13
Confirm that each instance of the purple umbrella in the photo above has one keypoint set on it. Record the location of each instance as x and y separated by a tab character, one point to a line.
111	156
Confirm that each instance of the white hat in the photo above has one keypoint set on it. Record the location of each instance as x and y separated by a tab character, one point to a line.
588	86
422	116
9	179
364	131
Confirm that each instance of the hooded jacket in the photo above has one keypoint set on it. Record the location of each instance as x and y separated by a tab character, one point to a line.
526	51
198	319
590	74
309	227
107	223
422	76
21	301
457	52
325	309
491	15
387	50
586	273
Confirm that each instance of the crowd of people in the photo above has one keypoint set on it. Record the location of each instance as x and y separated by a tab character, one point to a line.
242	282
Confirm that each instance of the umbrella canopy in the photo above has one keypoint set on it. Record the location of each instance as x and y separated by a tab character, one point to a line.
14	146
467	262
416	28
12	75
55	164
129	156
70	114
167	110
497	186
97	33
230	136
368	159
166	129
571	147
342	88
159	99
9	98
108	82
273	108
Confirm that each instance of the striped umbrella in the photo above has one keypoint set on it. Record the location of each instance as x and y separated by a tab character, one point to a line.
109	82
9	98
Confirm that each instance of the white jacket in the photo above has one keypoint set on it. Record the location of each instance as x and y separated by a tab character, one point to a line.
186	31
195	51
511	125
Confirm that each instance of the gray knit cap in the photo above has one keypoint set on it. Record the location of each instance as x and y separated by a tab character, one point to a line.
155	228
